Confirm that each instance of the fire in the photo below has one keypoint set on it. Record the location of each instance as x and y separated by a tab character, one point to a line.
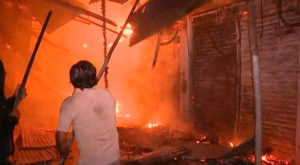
151	125
84	45
118	112
117	108
231	145
263	158
128	30
272	159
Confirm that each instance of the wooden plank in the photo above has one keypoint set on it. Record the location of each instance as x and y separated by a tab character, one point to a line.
162	154
298	117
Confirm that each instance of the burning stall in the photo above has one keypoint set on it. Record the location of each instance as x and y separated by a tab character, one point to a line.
184	87
221	94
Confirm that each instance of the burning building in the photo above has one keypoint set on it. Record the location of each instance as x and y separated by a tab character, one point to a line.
181	73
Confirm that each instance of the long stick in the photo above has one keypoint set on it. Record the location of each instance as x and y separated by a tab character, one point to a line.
116	41
256	80
29	66
62	161
158	44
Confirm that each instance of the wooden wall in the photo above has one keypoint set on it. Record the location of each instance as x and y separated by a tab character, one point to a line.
215	74
279	60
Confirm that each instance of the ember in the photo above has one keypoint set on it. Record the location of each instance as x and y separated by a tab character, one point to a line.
273	160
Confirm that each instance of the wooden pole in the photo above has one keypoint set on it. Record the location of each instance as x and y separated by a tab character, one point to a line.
238	76
298	116
29	66
256	79
190	87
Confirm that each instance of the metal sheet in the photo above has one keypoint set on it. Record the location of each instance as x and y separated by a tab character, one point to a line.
158	14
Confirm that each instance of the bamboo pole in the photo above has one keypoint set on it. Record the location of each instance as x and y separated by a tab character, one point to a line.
256	79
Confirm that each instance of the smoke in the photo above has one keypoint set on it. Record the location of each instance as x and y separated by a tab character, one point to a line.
144	94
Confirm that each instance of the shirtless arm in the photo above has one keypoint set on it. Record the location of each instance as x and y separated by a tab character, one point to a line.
62	143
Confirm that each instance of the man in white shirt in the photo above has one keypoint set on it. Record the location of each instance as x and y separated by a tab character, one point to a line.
91	112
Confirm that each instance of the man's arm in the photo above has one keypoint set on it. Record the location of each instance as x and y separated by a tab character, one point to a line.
64	123
62	143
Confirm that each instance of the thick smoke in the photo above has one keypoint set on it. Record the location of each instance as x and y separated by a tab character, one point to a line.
144	94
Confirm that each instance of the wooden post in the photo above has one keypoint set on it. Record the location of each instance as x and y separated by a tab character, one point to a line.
184	58
298	116
190	41
238	78
186	38
256	79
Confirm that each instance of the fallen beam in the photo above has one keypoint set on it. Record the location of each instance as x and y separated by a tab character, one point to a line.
162	154
244	149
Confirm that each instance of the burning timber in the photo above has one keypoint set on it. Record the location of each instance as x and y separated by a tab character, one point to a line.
144	145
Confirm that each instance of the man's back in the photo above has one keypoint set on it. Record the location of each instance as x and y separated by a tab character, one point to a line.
92	114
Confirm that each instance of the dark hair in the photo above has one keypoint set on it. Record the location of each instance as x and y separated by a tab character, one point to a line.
83	75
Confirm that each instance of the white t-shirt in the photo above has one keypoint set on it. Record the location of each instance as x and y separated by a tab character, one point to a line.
91	112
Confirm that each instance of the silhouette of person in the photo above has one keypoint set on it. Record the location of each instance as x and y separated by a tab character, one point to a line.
8	120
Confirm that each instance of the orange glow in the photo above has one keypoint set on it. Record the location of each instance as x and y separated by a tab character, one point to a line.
84	45
151	125
117	108
143	95
118	112
128	26
272	159
231	145
128	30
245	12
264	158
198	142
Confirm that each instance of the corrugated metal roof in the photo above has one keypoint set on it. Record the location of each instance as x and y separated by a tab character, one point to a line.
37	138
35	155
35	145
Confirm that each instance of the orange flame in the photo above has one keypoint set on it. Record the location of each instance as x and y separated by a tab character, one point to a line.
272	159
118	112
117	108
151	125
231	145
128	30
